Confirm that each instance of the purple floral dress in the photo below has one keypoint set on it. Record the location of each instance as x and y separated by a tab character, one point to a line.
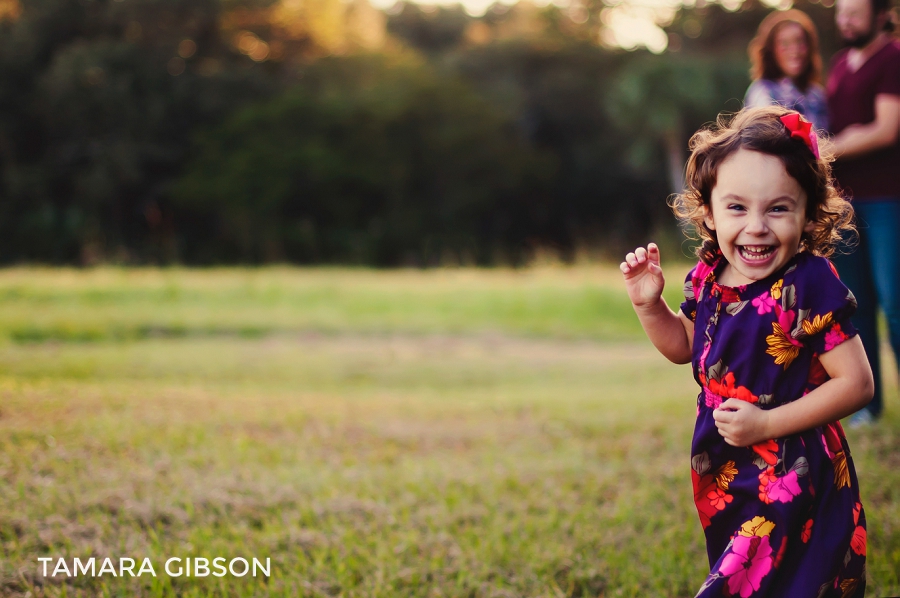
782	518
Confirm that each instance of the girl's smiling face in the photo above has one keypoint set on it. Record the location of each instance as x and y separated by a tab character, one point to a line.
758	213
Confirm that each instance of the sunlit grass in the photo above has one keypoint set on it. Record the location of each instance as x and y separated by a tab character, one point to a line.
365	458
110	303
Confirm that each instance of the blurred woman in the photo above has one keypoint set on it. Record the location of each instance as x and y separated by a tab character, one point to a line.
786	67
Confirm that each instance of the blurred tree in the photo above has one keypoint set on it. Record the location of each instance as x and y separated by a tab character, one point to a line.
96	105
297	31
429	29
558	92
513	130
711	29
372	160
659	100
10	10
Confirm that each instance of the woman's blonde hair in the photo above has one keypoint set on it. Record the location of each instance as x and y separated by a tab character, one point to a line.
761	130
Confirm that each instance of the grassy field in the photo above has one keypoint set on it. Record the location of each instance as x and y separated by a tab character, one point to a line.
442	433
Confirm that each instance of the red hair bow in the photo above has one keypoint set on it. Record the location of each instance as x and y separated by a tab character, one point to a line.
801	129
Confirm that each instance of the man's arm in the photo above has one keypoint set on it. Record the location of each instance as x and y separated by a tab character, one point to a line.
859	140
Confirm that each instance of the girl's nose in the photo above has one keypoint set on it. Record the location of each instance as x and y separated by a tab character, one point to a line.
756	225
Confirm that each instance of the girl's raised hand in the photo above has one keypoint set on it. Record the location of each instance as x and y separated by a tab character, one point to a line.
643	275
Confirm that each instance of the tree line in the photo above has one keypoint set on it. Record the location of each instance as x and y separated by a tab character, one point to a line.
257	131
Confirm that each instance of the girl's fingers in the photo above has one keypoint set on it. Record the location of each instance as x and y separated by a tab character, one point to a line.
638	256
641	255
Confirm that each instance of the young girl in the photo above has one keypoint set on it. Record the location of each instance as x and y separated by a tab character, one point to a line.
765	324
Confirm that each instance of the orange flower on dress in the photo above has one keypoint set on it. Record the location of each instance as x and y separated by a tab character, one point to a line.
767	451
710	494
725	475
780	554
858	541
718	499
728	389
806	532
832	436
817	324
848	587
728	294
841	470
758	526
776	289
704	486
782	346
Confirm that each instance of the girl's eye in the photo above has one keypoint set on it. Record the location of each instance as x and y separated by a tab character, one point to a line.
779	209
737	207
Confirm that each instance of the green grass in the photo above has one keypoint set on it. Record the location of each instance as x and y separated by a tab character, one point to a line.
119	304
439	433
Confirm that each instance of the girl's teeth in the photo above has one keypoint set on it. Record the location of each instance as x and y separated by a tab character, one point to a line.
756	253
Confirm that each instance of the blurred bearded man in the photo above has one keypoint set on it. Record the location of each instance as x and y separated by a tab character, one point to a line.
864	109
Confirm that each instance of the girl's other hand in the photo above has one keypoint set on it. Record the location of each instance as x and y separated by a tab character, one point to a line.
741	423
643	276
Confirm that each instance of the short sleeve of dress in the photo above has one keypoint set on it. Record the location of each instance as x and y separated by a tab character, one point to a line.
689	306
824	306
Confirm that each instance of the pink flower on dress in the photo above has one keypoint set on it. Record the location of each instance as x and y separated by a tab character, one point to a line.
701	272
746	565
764	303
786	321
775	489
712	399
834	337
825	445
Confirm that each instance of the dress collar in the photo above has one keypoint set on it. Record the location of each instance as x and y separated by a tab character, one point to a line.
744	292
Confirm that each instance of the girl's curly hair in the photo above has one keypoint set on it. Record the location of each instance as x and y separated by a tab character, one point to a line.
760	130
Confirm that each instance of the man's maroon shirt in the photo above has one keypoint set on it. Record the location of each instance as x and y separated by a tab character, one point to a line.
851	100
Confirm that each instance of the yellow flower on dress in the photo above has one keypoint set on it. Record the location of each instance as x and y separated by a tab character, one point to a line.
848	587
776	289
841	470
725	475
781	346
758	526
817	324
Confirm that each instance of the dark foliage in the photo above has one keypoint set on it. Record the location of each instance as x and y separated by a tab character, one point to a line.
370	160
138	132
96	114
